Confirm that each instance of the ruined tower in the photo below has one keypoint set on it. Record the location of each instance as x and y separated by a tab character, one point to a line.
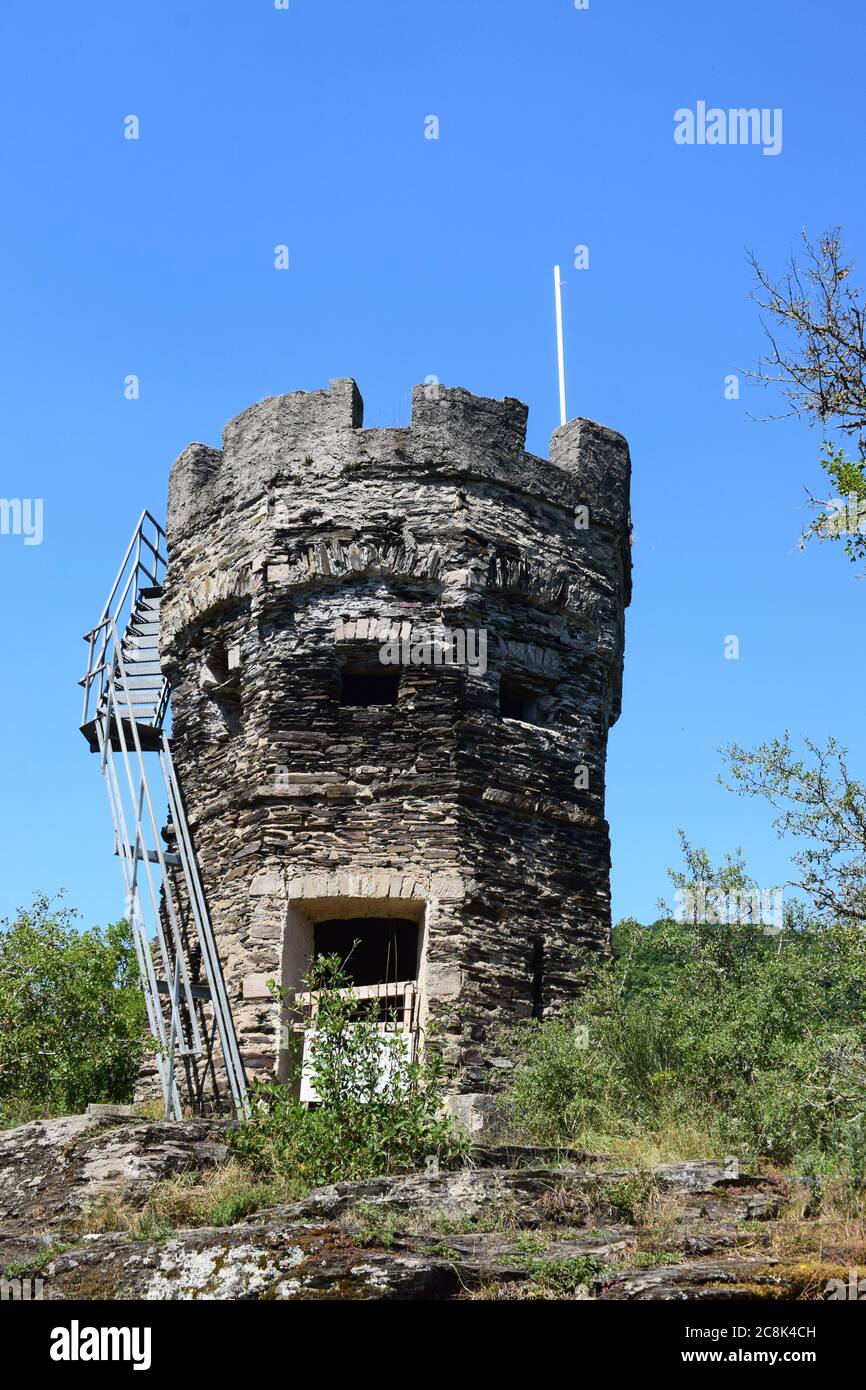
395	655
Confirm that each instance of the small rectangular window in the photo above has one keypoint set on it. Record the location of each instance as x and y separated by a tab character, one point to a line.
368	688
373	950
517	701
220	677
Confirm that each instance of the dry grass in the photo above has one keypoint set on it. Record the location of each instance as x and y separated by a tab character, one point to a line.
523	1292
660	1214
676	1141
819	1238
217	1197
789	1239
150	1110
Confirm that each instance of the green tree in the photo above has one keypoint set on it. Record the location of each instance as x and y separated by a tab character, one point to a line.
753	1039
820	803
72	1016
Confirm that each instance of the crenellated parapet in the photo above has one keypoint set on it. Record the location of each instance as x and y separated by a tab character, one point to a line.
300	491
453	434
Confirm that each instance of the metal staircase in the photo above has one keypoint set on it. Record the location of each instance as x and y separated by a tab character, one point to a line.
125	717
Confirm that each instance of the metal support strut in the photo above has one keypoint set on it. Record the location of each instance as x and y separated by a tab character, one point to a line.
125	717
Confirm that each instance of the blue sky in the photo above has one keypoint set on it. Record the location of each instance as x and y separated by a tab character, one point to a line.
413	257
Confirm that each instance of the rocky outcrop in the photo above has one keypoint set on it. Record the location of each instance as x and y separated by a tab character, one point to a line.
568	1227
273	1262
534	1196
53	1170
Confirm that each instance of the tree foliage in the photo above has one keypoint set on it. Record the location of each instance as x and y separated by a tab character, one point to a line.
819	802
72	1015
757	1040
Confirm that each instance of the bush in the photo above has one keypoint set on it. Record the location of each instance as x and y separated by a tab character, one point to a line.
756	1041
72	1015
369	1120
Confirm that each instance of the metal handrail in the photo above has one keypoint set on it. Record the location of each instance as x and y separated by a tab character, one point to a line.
124	593
137	536
170	883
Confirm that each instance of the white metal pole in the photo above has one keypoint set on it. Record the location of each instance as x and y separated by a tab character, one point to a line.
560	350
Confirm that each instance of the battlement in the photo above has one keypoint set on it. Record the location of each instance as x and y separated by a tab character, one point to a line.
317	438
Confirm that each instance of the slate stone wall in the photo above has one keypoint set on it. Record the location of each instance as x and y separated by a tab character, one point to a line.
296	552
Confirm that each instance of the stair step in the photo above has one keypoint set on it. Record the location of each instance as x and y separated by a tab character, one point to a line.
140	651
140	680
150	693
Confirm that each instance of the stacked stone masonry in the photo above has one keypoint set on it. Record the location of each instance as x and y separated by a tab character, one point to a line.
295	553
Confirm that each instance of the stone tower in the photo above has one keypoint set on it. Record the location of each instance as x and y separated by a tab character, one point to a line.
395	655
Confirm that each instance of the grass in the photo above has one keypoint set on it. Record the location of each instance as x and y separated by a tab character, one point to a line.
564	1275
20	1111
673	1141
215	1197
632	1198
377	1225
444	1251
499	1214
34	1264
651	1259
531	1244
837	1230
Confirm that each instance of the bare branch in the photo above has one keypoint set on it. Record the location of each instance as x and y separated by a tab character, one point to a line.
814	323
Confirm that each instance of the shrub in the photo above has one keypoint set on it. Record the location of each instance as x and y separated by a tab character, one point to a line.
371	1119
757	1040
72	1015
565	1274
